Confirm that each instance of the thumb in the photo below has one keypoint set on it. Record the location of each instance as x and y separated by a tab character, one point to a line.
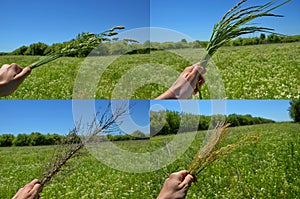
22	75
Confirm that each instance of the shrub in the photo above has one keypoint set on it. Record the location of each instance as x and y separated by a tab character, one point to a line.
294	110
6	140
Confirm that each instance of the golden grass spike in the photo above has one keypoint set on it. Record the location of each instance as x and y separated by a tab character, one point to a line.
212	151
207	153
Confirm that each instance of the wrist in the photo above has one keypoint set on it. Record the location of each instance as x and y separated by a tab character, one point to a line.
167	95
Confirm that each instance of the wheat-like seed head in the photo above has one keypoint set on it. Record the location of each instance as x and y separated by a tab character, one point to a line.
235	23
87	41
212	151
208	152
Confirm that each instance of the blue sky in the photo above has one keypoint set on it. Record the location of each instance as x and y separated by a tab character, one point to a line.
196	18
276	110
31	21
56	116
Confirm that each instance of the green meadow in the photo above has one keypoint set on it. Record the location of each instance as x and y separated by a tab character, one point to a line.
248	72
268	168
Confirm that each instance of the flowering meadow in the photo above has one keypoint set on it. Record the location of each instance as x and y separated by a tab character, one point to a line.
268	168
270	71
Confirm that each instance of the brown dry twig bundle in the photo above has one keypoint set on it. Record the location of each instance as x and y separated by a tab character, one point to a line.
79	136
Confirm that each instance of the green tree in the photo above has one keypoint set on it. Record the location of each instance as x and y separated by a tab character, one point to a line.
157	121
273	38
189	122
233	119
138	134
294	110
22	140
262	36
37	139
36	49
6	140
20	51
184	41
52	139
119	48
173	119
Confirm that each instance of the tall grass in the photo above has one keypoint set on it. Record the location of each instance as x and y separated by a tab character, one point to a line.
88	42
235	23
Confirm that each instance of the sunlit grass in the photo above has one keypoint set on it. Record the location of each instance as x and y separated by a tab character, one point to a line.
250	72
267	169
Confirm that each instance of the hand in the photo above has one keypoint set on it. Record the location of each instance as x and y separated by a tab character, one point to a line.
29	191
185	85
11	76
176	186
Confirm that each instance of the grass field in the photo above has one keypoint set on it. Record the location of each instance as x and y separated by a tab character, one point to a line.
251	72
266	169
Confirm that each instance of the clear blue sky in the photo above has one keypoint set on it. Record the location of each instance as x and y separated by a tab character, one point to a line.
53	21
56	116
276	110
31	21
196	18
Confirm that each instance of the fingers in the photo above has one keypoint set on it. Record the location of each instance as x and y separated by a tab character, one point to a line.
180	175
186	183
186	72
5	66
15	72
17	69
28	187
30	190
197	70
21	75
201	80
37	188
193	76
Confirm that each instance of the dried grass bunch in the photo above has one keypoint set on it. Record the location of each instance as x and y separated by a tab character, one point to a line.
213	150
80	136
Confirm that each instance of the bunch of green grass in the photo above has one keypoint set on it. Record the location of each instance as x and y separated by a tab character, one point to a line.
87	41
235	23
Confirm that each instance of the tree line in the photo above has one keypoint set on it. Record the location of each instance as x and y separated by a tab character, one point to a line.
184	122
130	46
174	122
33	139
39	139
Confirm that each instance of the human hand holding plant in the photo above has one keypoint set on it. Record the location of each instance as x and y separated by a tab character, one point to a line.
176	186
213	149
11	76
185	85
29	191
